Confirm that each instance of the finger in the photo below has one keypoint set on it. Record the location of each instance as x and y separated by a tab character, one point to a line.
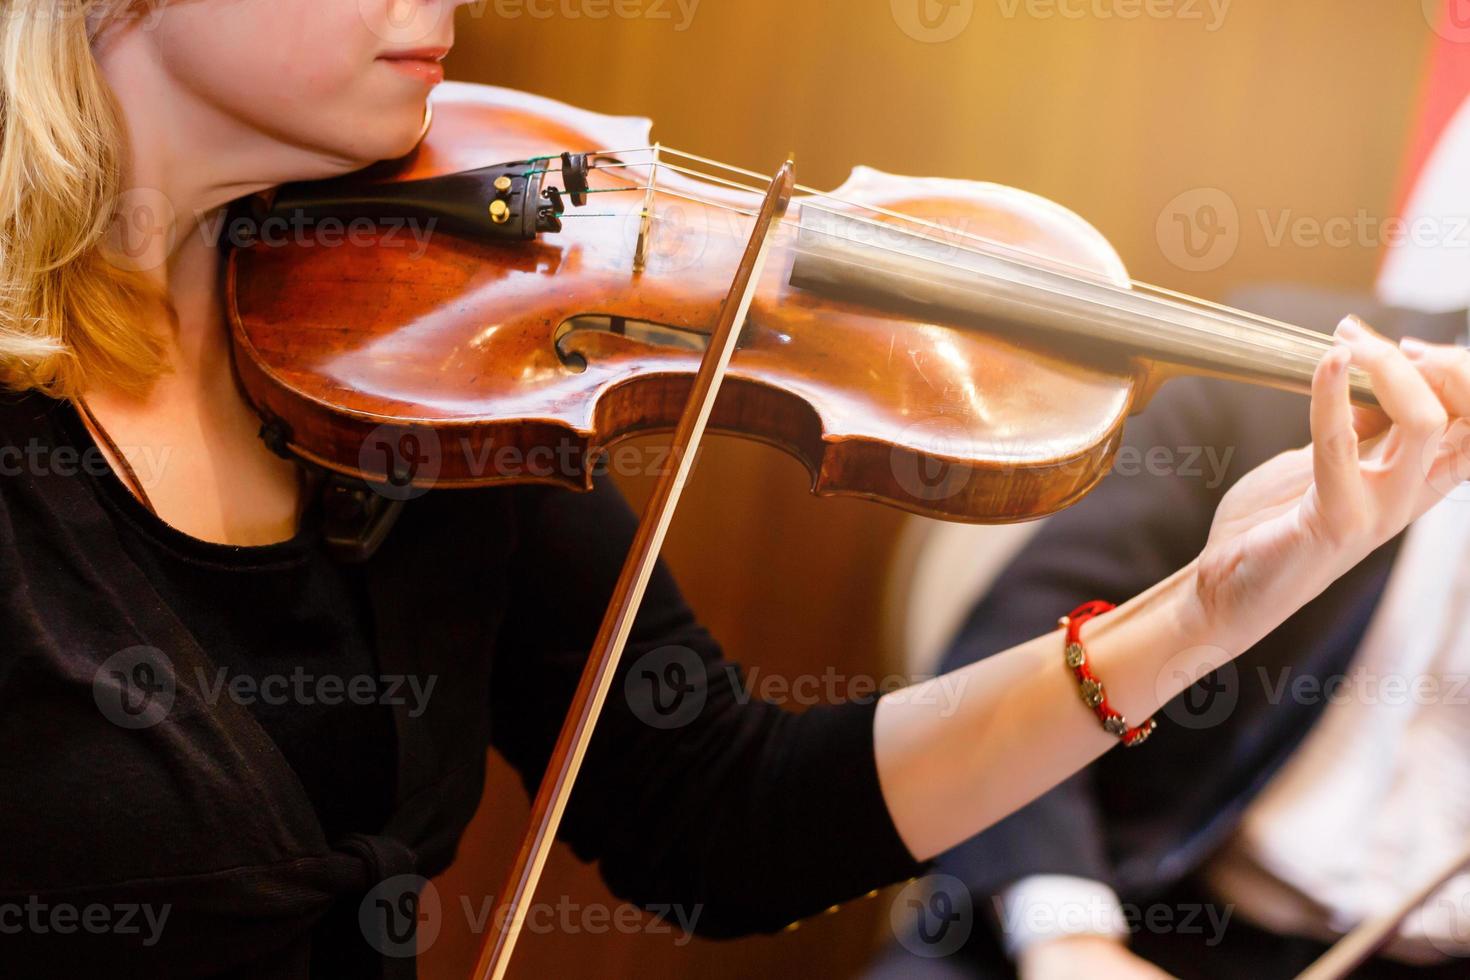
1446	368
1334	441
1403	392
1449	468
1369	422
1406	397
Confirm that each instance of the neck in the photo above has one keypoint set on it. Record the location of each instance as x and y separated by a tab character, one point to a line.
836	254
187	159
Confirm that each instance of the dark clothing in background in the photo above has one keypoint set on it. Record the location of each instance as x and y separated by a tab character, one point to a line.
1196	951
1145	820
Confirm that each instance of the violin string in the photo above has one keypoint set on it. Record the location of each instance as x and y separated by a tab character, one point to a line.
1316	343
1180	302
1274	326
1204	346
1303	361
886	212
1081	271
1276	329
1297	359
981	239
1088	275
1310	348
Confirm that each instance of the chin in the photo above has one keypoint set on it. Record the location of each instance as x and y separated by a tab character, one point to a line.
400	135
384	138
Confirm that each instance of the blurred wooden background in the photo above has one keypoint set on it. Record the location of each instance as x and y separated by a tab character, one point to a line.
1292	116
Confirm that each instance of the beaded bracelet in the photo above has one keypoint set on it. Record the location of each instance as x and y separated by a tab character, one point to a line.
1091	688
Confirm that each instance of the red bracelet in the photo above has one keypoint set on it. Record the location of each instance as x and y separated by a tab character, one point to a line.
1092	689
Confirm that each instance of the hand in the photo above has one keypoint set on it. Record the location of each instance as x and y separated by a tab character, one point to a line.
1302	519
1280	537
1094	957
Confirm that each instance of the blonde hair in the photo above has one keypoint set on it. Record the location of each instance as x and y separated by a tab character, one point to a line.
68	315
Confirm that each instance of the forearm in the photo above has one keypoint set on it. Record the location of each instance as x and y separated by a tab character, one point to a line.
1014	725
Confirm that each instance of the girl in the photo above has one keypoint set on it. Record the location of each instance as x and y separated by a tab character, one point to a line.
191	789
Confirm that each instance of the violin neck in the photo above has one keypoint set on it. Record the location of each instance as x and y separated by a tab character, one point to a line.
843	256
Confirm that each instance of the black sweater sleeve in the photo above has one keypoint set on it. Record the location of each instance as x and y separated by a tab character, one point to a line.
693	794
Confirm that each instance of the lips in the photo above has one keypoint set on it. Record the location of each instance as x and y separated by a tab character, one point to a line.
419	63
417	54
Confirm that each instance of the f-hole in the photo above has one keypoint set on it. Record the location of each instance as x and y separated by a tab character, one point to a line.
641	331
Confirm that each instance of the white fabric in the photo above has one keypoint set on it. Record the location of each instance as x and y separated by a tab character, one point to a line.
1426	263
1373	804
1044	907
1377	799
938	572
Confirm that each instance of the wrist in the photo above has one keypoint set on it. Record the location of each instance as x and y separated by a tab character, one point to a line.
1157	644
1074	940
1068	956
1194	625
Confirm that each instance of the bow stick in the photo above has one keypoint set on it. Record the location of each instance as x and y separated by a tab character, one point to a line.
617	623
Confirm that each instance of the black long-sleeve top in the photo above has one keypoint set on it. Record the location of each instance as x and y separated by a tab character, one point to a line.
247	747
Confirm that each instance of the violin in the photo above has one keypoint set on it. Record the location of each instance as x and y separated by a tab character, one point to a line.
536	282
961	350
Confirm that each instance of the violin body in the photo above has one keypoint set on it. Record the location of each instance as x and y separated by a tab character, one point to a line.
447	361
